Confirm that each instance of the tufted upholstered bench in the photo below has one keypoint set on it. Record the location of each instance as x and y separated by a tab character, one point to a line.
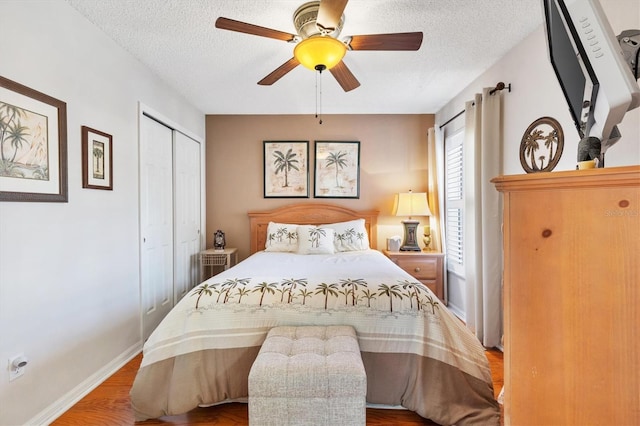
310	375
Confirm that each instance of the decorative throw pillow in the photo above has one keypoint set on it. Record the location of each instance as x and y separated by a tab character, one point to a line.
349	236
315	240
282	237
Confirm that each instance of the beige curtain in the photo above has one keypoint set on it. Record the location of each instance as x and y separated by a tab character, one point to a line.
483	237
432	191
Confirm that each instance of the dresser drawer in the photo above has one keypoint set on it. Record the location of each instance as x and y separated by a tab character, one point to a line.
421	269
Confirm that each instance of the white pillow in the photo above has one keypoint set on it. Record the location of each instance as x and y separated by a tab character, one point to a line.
349	236
315	240
282	237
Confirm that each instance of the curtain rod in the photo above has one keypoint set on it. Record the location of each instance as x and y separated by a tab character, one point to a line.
500	86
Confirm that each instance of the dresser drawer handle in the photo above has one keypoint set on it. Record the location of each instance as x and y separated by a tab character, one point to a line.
416	269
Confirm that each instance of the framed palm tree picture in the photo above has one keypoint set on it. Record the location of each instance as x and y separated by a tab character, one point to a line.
286	169
33	145
97	159
337	171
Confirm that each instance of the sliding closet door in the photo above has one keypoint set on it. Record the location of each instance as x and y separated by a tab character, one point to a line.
156	222
187	214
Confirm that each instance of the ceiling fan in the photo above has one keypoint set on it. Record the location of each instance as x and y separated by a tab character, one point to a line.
318	24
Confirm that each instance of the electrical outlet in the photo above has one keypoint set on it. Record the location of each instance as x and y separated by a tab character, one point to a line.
17	366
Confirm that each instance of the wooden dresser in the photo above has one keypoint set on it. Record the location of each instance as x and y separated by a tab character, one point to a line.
572	297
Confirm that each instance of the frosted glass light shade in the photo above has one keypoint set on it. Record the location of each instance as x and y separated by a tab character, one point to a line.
319	50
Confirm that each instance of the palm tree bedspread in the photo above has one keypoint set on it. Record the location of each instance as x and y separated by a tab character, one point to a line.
416	353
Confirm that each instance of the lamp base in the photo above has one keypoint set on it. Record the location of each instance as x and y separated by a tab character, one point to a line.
410	233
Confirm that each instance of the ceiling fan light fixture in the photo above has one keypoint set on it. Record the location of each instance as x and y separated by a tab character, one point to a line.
320	50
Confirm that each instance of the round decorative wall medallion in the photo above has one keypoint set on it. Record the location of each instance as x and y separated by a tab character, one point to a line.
541	145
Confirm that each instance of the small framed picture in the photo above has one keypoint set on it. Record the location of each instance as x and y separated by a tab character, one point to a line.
286	169
97	159
337	171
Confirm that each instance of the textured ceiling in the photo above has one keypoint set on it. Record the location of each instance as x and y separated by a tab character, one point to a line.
218	70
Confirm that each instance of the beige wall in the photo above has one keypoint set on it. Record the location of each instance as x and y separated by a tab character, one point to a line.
393	158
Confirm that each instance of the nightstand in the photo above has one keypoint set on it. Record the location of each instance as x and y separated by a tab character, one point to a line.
211	258
425	266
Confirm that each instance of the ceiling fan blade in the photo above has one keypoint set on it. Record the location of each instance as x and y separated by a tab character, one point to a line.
243	27
279	72
395	41
345	77
330	12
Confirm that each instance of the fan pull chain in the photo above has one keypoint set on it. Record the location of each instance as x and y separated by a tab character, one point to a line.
320	122
319	68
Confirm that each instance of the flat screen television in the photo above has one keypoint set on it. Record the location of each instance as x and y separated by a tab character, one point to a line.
586	56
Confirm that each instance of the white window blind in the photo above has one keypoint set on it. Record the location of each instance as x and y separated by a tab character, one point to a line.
454	202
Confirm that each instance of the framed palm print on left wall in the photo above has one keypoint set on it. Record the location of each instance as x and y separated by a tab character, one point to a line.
97	159
33	145
286	169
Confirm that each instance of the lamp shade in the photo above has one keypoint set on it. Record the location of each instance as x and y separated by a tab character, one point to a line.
411	204
320	50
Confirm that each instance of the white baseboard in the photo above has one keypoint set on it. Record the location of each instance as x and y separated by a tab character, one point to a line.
64	403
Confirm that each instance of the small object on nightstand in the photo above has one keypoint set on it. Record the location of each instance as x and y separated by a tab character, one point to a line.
427	237
393	243
211	258
218	240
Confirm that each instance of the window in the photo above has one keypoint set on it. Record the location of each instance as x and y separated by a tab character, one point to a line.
454	202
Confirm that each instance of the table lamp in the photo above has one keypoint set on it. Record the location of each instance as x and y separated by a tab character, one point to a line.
411	204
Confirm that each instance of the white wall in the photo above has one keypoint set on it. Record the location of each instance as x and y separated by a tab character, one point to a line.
69	272
536	93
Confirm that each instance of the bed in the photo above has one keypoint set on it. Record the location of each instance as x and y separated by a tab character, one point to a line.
416	353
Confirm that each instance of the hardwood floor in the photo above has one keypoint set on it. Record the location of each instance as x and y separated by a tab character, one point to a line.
108	404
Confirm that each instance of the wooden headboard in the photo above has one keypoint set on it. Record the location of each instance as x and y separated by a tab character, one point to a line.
308	214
